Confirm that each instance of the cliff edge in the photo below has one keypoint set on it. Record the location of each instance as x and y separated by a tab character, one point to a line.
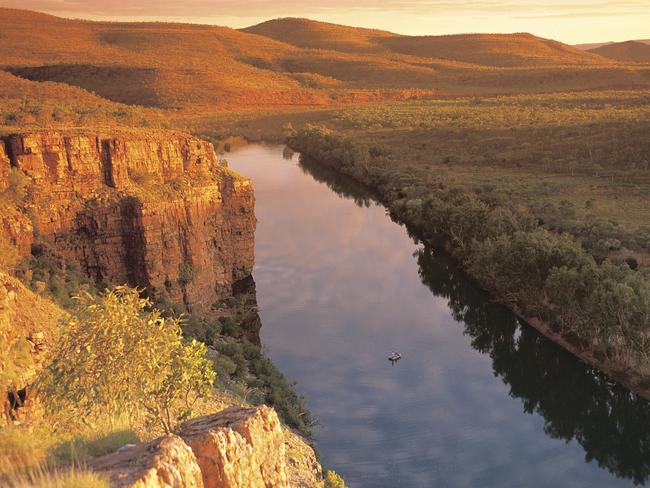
153	209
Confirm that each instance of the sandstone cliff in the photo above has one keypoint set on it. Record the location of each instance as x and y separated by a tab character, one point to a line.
236	448
151	209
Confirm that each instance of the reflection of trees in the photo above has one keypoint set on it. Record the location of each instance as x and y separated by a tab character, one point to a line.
576	401
342	185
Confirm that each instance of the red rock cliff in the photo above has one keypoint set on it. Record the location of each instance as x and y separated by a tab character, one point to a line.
156	210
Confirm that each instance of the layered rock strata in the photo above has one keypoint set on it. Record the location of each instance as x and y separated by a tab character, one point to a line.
155	210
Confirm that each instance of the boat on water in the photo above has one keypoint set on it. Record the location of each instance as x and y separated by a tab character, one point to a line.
394	356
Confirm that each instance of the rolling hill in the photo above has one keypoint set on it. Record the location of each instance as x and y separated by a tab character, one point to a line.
629	51
312	34
499	50
594	45
288	62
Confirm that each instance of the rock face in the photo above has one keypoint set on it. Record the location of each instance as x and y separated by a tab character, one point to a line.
239	447
303	469
154	210
27	329
166	462
236	448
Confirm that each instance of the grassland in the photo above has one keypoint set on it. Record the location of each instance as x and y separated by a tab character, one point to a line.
289	62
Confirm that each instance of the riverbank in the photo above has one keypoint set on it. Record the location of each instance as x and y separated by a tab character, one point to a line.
597	311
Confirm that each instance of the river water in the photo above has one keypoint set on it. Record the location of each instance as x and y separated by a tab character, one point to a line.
478	398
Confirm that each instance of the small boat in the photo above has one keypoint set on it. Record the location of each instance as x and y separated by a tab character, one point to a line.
394	356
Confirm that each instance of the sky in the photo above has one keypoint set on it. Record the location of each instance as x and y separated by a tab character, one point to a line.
572	21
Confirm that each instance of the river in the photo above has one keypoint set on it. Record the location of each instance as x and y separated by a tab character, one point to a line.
478	399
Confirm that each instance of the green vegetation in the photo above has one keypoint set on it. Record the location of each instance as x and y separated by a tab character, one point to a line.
117	357
251	375
333	480
573	277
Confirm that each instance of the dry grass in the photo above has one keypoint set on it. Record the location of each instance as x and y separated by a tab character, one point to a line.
284	63
628	51
71	478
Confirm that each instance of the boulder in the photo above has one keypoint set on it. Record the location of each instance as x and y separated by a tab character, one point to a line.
239	448
166	462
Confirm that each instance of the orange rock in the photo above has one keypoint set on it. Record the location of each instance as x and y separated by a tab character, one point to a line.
239	448
166	462
5	167
101	201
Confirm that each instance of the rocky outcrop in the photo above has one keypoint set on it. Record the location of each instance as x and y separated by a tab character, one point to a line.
236	448
239	447
303	468
152	209
5	168
27	330
164	463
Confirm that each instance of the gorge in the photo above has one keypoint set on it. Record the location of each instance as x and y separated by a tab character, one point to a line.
479	398
154	210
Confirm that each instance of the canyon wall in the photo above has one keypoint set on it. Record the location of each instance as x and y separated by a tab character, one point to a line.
152	209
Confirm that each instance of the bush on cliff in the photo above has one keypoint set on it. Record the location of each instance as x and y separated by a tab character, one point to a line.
117	356
333	480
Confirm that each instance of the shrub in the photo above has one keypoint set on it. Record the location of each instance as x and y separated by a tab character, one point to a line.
19	184
333	480
116	356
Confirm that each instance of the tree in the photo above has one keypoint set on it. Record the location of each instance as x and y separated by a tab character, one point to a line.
119	356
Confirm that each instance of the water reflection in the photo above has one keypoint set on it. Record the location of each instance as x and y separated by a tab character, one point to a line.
341	185
577	402
611	423
477	400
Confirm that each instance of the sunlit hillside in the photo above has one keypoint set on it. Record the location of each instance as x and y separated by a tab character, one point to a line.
289	62
629	51
501	50
323	35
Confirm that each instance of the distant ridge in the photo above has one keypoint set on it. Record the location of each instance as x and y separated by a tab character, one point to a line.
502	50
628	51
313	34
284	62
594	45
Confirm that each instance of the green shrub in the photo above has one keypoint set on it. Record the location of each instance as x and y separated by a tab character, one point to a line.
116	356
333	480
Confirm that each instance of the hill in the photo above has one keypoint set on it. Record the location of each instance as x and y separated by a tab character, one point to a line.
594	45
482	49
629	51
284	62
312	34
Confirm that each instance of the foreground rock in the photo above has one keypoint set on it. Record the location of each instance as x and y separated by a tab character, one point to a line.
239	447
236	448
303	469
165	462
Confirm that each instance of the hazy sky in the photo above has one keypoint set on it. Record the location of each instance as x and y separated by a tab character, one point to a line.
572	21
